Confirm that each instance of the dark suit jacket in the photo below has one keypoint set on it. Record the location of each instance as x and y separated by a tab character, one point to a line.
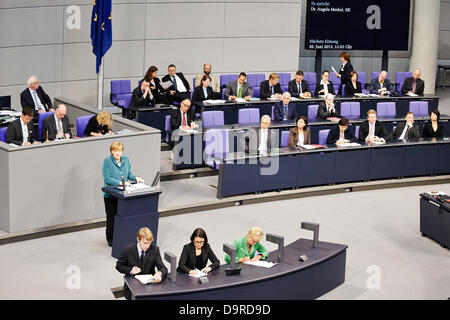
293	89
334	135
14	133
265	91
375	86
181	76
407	86
428	131
320	87
293	136
345	74
380	130
175	118
413	134
26	100
129	258
187	259
138	100
199	95
251	140
49	125
322	112
350	90
278	111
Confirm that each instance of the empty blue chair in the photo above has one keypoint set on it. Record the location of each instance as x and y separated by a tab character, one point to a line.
336	81
82	123
400	79
357	132
323	135
312	112
42	116
118	89
419	108
167	128
216	143
376	74
311	78
362	78
248	115
256	91
386	109
3	134
212	119
351	110
284	138
284	80
255	79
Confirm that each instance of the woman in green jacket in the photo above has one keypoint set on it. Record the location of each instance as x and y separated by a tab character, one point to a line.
115	167
248	247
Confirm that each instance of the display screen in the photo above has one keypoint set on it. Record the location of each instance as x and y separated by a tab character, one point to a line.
357	25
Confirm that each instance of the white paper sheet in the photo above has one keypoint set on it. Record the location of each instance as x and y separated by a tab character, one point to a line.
145	278
260	263
199	274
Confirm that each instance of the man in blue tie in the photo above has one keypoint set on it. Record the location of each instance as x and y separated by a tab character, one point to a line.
35	97
284	110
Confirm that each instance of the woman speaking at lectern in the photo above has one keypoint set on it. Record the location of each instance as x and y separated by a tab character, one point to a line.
115	167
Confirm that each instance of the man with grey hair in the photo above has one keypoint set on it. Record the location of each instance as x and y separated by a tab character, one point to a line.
414	85
327	108
260	140
56	126
284	109
381	85
35	97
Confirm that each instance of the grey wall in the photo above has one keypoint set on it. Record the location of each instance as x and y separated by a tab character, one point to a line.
233	35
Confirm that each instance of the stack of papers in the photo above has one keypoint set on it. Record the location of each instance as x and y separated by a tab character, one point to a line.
308	147
145	278
166	85
349	144
412	94
260	263
135	187
199	274
214	101
374	95
240	100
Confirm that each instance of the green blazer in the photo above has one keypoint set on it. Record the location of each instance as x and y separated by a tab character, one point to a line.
112	173
242	250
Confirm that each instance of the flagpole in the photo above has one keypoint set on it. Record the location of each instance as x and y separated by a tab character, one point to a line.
100	88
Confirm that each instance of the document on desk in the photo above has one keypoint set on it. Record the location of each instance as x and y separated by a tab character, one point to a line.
134	187
241	100
412	94
189	130
145	278
349	144
166	85
199	274
260	263
214	101
374	95
308	147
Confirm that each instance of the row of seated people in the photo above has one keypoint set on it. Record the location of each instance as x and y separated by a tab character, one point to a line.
55	126
144	257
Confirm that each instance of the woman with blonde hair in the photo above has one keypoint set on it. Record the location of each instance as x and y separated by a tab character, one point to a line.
248	248
115	166
99	124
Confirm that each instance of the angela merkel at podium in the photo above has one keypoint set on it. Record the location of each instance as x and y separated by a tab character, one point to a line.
115	167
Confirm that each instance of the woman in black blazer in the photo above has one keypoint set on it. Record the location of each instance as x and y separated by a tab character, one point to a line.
341	133
432	128
202	92
195	255
354	86
344	71
155	85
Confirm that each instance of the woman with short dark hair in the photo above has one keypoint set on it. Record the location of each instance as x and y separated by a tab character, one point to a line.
433	128
300	134
344	71
341	133
196	254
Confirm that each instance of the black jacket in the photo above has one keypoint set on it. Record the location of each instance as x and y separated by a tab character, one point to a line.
322	112
375	86
428	131
350	91
199	95
321	86
181	76
93	126
380	130
265	92
413	133
138	100
187	259
407	86
49	125
345	73
293	88
334	135
14	133
175	118
26	100
278	111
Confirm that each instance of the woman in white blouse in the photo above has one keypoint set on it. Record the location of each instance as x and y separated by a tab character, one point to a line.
300	135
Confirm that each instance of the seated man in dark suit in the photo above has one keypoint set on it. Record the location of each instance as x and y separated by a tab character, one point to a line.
260	140
142	97
407	130
180	89
284	110
270	88
372	130
341	133
35	97
180	118
56	126
20	131
239	89
327	108
414	85
381	85
298	87
141	258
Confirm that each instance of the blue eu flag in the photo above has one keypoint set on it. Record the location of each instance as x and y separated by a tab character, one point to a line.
101	29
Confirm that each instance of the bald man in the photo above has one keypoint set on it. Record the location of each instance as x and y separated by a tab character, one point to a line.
414	85
57	125
35	97
284	109
207	71
381	85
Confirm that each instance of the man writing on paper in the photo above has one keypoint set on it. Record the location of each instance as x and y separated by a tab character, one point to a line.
414	85
141	258
56	126
20	131
271	88
239	89
181	118
381	85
